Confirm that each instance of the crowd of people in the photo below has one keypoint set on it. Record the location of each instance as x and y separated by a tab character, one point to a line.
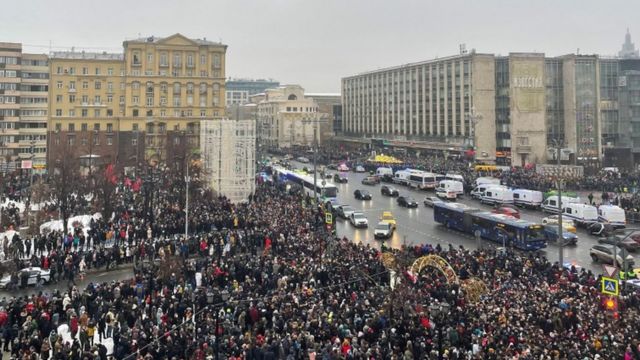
265	280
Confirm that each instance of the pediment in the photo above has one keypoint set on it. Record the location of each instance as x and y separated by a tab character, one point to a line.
177	39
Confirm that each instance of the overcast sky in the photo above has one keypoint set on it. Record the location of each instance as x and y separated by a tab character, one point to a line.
315	43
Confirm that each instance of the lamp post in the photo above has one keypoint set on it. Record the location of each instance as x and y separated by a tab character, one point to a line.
314	121
439	312
187	179
473	117
557	144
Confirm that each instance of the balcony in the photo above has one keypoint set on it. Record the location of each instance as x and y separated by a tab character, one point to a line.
72	90
523	149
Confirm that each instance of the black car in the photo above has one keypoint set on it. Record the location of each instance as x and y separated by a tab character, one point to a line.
362	194
621	241
407	201
340	179
389	190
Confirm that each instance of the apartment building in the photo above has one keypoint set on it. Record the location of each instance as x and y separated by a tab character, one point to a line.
137	105
24	81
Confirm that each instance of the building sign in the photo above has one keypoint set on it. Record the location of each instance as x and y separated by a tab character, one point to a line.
527	82
26	164
527	86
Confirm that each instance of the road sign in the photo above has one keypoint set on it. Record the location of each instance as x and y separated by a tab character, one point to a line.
610	270
328	218
610	286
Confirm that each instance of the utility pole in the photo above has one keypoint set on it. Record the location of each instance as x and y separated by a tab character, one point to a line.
558	146
187	179
315	152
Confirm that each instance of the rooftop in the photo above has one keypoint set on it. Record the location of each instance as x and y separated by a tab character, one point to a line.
156	39
86	55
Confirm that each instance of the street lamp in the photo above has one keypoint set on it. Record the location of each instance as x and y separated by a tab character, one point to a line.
474	118
439	312
315	121
187	179
557	144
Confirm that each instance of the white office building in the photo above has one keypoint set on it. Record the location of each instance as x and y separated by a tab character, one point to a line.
229	156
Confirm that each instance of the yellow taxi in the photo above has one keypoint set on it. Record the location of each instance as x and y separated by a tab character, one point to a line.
567	224
388	217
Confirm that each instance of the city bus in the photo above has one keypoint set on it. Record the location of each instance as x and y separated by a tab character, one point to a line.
520	234
326	191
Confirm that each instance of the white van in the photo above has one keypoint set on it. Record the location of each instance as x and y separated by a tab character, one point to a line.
497	195
476	193
456	177
583	214
527	198
613	215
487	180
550	204
384	171
449	189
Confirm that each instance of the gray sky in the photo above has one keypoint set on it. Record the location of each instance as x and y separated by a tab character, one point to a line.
315	43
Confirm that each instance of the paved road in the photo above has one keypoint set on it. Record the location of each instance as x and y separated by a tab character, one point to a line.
418	227
124	271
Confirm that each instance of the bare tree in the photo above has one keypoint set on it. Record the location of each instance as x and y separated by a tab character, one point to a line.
67	187
105	190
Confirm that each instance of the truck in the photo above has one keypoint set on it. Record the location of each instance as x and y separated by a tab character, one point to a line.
449	189
527	198
550	204
497	195
476	193
613	215
582	214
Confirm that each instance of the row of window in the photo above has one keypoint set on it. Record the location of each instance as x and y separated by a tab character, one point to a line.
23	87
135	100
9	60
135	113
177	87
136	72
177	59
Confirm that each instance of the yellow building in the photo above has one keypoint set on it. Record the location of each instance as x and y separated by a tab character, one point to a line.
138	105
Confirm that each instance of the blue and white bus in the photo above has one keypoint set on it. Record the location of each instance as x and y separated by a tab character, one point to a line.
326	191
518	233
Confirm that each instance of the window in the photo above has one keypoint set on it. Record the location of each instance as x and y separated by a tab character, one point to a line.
216	61
96	112
72	98
72	127
135	99
96	127
71	140
84	141
163	88
121	100
110	71
203	59
176	88
149	58
109	112
110	86
203	113
216	87
85	71
97	99
136	58
189	88
85	84
135	85
58	98
109	128
190	100
97	71
176	113
83	127
134	141
190	60
135	112
72	112
96	140
177	59
85	99
98	85
122	85
85	112
109	99
149	88
164	60
149	101
58	127
163	100
59	84
72	85
176	101
58	112
59	70
109	140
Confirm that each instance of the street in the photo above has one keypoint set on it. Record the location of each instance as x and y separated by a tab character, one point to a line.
416	226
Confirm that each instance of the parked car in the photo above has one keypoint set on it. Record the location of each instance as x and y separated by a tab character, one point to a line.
389	190
358	220
604	253
507	210
303	160
551	232
362	194
406	201
344	211
430	200
328	175
387	216
600	229
370	180
621	241
341	179
32	277
567	224
359	169
383	230
332	166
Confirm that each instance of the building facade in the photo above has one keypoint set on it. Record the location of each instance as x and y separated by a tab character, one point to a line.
229	156
288	118
521	106
251	86
24	85
330	105
138	105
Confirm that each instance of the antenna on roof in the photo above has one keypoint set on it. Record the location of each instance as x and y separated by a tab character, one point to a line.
463	49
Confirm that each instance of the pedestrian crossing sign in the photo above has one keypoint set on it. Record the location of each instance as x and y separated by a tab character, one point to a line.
610	286
328	218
